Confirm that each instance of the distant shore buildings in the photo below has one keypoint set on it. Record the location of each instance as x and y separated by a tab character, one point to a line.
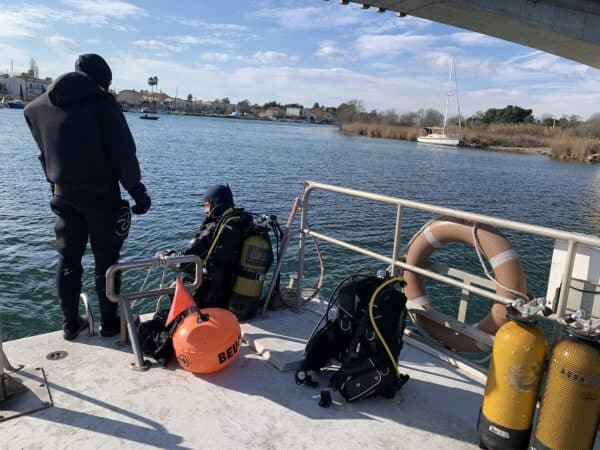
27	87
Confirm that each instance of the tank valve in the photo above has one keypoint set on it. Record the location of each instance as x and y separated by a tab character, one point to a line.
581	321
531	308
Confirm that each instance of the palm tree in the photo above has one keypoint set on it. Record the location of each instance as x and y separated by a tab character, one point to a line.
153	81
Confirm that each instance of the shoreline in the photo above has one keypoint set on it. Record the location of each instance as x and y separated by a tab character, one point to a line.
545	151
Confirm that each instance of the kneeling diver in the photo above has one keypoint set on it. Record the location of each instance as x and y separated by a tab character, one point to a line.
218	246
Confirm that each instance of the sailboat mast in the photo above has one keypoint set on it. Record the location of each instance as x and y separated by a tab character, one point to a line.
457	102
449	92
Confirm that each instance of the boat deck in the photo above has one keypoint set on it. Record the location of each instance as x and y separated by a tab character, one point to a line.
98	401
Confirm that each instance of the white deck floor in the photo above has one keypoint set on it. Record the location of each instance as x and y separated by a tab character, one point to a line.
99	402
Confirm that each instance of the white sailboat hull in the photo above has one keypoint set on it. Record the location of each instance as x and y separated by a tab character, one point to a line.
438	139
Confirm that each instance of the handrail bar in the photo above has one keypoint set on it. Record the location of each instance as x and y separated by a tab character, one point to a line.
167	261
125	299
474	217
428	273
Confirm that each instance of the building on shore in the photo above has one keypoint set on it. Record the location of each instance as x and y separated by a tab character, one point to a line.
25	88
129	97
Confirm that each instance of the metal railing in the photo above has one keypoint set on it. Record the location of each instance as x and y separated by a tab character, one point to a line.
470	284
125	299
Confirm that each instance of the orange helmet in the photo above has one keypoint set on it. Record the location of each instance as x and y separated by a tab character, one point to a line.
207	340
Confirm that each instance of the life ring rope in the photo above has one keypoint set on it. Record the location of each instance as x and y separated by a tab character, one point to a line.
496	261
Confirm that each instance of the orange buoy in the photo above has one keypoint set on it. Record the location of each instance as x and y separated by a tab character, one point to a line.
207	340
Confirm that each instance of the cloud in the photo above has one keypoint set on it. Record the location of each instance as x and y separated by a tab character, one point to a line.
22	23
330	52
206	26
261	57
271	58
105	9
310	17
368	46
30	21
158	45
19	58
63	44
216	57
545	63
194	40
472	39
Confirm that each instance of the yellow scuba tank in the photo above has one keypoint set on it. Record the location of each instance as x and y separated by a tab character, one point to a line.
513	381
255	259
570	409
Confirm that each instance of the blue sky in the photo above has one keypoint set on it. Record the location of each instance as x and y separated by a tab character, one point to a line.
301	51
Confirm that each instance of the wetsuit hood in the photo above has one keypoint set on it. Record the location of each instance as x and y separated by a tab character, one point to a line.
72	87
96	68
220	199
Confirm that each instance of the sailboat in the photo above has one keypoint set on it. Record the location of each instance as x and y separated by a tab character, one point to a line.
437	135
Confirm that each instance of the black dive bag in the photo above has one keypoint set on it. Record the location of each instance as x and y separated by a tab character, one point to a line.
366	369
156	339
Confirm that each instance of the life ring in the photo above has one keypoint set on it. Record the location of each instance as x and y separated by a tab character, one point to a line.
507	267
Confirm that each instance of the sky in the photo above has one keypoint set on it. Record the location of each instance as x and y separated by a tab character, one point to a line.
293	51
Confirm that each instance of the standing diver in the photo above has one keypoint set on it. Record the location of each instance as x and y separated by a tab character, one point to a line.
86	149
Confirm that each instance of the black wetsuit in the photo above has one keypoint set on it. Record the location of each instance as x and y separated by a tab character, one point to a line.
86	149
221	265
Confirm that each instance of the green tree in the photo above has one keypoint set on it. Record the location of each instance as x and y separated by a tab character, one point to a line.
152	81
190	97
243	106
509	114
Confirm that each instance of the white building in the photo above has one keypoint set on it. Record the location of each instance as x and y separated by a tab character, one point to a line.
130	97
297	111
293	111
26	88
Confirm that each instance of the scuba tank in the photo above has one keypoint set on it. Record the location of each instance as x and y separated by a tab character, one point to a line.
570	409
513	380
255	259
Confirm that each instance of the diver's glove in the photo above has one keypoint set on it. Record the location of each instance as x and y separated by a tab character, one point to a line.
142	199
165	253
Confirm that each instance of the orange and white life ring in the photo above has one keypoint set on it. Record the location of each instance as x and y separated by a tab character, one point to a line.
507	267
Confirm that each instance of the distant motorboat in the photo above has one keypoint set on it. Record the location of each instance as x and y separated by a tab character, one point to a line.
437	135
16	104
148	117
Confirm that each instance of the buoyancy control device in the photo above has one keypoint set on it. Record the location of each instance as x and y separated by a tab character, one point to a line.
514	379
255	259
570	408
365	337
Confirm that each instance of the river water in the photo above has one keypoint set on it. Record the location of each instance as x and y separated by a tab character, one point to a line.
266	163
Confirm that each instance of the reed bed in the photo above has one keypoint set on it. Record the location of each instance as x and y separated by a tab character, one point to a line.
581	144
566	146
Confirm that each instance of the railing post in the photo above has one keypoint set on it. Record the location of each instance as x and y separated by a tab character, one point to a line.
284	244
565	284
303	225
1	354
397	243
463	305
